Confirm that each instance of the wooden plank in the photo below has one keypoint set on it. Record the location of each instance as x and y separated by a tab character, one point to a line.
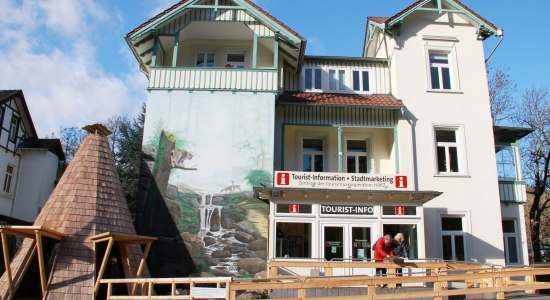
7	261
41	268
103	263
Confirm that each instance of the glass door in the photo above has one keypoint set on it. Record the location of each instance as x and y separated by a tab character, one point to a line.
333	237
361	242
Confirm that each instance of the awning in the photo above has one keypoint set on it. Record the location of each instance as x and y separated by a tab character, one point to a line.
328	195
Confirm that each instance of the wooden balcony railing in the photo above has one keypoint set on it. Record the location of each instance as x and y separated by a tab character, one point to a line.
257	80
512	191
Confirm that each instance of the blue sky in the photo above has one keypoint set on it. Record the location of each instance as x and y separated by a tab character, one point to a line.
71	61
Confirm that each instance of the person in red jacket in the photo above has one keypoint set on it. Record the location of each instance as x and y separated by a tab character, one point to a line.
383	249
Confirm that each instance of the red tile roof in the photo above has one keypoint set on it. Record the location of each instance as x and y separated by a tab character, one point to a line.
378	19
88	200
175	6
377	100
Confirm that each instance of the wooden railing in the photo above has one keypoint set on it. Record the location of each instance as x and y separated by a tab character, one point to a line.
438	280
512	191
259	80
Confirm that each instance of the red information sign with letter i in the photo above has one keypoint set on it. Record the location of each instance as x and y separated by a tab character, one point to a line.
399	210
293	208
401	182
283	178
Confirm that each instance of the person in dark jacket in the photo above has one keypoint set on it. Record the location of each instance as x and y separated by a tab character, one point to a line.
401	249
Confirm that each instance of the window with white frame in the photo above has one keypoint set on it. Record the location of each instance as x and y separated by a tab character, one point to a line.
14	126
313	79
205	60
360	81
235	60
8	179
440	70
511	244
312	155
447	150
507	163
293	239
453	238
357	157
336	80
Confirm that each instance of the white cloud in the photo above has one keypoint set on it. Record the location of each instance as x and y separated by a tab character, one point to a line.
53	60
316	46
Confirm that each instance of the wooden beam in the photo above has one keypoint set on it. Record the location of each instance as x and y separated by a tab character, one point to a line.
142	264
103	263
41	268
7	262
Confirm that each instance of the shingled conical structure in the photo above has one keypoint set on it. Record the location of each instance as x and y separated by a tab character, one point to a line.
87	201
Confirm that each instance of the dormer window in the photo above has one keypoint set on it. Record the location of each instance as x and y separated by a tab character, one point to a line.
14	126
205	60
337	80
313	79
360	81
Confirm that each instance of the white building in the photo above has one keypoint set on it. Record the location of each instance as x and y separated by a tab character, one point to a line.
399	140
30	166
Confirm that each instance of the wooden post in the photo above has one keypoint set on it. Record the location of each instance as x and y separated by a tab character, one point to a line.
500	293
7	261
109	290
141	265
41	268
104	263
273	271
329	271
437	290
530	279
391	273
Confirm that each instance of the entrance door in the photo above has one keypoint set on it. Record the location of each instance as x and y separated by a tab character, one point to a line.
346	242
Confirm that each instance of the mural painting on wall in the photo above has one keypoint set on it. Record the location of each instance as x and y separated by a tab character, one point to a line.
205	166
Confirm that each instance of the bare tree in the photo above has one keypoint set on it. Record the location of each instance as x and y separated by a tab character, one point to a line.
534	112
501	94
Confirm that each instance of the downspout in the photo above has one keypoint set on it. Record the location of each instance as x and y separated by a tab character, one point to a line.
413	136
500	34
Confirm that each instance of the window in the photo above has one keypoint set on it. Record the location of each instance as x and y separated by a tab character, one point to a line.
293	208
453	238
313	79
13	128
356	156
447	150
205	60
409	232
312	155
506	163
293	240
440	70
337	80
361	81
8	179
236	60
511	250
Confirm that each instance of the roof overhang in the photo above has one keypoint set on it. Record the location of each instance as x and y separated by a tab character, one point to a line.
417	198
509	135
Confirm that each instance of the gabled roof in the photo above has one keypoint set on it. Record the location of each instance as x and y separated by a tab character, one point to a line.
17	95
485	28
307	98
147	30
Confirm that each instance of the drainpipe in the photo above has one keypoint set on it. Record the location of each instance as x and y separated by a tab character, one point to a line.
500	34
413	134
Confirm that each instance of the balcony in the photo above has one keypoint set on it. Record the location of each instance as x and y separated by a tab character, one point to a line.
255	80
512	191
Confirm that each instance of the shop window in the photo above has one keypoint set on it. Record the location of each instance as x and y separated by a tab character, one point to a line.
506	163
357	156
360	81
399	210
453	238
337	80
410	234
8	179
447	150
312	155
205	60
511	245
14	126
282	208
235	60
293	240
313	79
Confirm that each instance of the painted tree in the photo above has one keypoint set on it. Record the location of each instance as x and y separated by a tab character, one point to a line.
534	113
